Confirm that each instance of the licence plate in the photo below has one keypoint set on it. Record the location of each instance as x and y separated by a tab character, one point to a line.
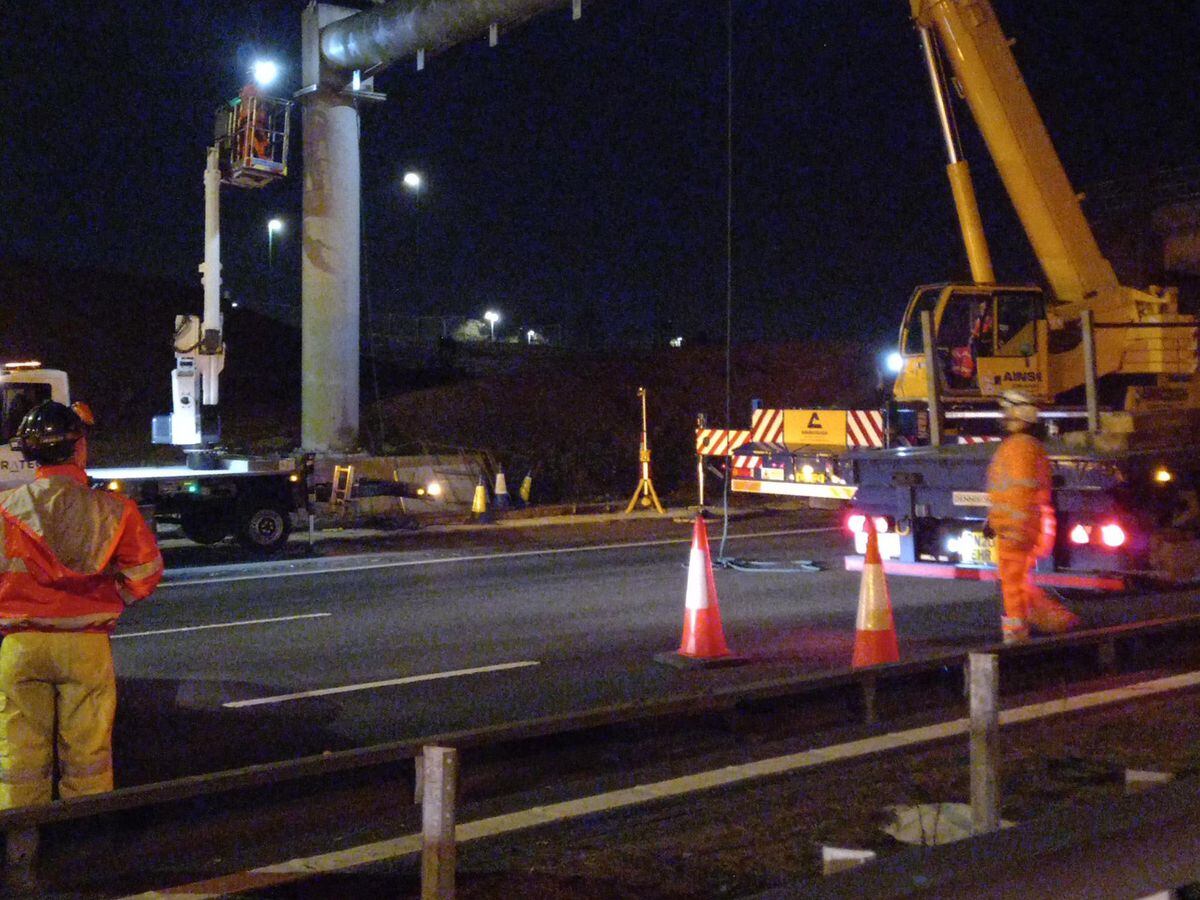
974	549
889	544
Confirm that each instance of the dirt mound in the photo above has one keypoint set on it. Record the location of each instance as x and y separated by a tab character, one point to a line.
575	419
572	417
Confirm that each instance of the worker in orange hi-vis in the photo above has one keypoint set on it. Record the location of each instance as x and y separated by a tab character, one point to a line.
1018	483
251	125
71	559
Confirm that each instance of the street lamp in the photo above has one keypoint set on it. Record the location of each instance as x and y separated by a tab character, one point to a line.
413	181
274	226
265	72
492	317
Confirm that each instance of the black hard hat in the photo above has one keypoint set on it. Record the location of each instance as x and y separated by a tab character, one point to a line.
48	433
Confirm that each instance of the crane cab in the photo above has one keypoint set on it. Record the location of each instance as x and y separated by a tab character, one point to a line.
252	134
986	339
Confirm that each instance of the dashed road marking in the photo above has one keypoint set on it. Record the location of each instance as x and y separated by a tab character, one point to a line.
371	685
133	634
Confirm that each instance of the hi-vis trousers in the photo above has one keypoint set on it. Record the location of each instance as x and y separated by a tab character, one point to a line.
49	678
1026	604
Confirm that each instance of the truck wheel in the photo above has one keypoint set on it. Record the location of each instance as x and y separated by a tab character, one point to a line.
204	526
264	527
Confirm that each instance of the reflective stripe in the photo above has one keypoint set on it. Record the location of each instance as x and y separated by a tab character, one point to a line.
99	767
145	570
13	565
1010	510
25	776
72	623
79	526
1007	484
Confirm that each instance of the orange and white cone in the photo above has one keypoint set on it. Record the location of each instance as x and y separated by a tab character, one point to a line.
875	632
703	640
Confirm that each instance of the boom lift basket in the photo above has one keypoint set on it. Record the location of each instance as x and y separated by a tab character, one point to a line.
252	133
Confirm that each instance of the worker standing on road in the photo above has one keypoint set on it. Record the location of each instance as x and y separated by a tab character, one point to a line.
72	558
1018	484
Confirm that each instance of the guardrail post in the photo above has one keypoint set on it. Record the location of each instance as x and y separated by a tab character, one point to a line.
1106	655
20	857
438	850
985	740
419	778
870	711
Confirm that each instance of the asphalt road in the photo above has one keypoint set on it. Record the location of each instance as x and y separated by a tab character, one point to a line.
395	636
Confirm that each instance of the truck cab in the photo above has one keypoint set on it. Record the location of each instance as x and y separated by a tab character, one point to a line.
23	385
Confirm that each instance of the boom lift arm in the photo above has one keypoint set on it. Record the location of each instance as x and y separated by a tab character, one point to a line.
250	150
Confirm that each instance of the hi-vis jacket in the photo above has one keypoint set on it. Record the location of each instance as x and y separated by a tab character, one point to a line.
1018	483
72	558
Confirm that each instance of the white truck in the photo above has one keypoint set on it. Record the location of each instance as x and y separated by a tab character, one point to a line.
250	499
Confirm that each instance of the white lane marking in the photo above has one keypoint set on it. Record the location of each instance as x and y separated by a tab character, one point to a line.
132	634
395	848
369	685
513	554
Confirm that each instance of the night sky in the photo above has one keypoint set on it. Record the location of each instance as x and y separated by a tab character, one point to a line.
576	174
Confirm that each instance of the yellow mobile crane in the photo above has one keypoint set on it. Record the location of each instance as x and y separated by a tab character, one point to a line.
1127	486
989	337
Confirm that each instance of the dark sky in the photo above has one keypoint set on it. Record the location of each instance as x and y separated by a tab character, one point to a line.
577	173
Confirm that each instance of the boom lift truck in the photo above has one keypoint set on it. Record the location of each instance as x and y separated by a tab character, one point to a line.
1115	367
214	495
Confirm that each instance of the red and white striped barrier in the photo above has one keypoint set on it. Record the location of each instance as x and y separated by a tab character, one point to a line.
720	441
864	428
977	439
766	426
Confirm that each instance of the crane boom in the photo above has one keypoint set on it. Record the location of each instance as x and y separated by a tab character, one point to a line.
1017	139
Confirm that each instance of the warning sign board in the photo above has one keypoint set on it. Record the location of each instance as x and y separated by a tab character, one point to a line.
824	427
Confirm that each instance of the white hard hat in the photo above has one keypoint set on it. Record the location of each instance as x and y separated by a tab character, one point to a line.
1019	406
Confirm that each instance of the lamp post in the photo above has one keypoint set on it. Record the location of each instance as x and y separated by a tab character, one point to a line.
492	317
274	226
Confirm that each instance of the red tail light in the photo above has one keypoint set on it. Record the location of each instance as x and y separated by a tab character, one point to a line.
1080	535
856	523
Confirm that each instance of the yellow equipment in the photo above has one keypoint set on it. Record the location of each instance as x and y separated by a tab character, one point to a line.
989	337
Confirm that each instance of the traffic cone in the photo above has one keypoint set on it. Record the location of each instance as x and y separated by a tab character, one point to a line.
479	505
526	489
875	632
501	490
703	642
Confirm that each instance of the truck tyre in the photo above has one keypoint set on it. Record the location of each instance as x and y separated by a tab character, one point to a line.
204	526
263	527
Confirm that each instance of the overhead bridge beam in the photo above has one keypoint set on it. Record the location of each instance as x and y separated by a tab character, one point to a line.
396	31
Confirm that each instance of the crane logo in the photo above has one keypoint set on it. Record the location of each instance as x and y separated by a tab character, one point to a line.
1023	377
826	427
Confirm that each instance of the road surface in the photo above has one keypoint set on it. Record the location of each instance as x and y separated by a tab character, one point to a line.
410	635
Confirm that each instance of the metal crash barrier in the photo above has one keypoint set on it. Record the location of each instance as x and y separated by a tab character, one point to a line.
1119	834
